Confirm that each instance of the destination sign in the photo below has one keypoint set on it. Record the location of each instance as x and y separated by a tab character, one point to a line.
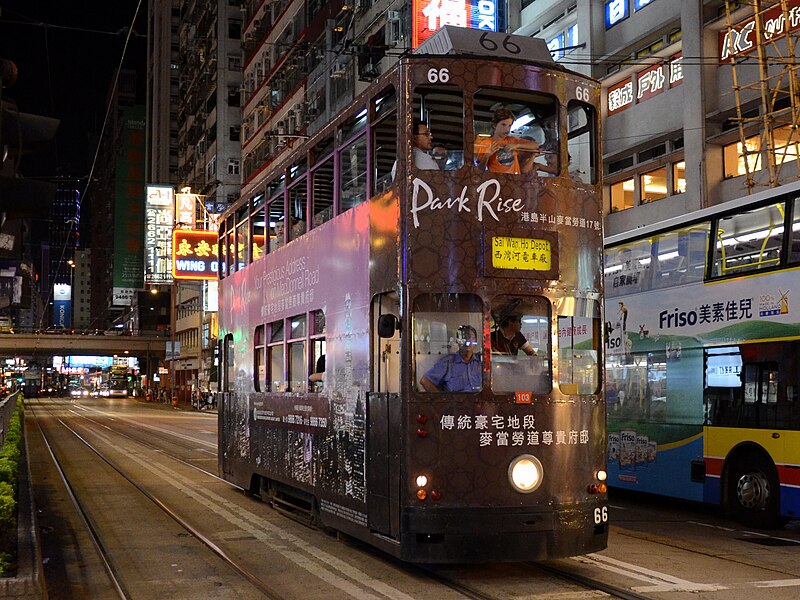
528	254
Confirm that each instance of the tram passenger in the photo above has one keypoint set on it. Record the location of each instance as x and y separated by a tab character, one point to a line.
508	338
422	142
499	153
318	376
458	372
278	240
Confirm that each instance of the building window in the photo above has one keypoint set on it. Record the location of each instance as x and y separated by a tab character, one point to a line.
734	157
235	133
679	177
653	185
234	62
233	166
786	145
622	195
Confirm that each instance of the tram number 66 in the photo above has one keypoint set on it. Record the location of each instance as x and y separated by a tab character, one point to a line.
582	94
438	75
600	515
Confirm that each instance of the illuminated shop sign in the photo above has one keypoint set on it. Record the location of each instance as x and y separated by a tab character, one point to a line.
431	15
159	220
194	254
616	11
620	96
742	38
647	83
640	4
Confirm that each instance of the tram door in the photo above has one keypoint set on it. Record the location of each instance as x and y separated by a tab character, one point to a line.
383	418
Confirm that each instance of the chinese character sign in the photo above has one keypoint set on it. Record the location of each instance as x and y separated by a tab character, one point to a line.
159	221
431	15
194	254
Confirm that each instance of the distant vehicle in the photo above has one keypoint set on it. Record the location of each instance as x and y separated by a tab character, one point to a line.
80	392
56	330
5	325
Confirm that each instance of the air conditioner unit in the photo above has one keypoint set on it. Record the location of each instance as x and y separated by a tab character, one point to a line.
394	28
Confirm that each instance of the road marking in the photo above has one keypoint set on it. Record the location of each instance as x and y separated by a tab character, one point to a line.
659	582
775	583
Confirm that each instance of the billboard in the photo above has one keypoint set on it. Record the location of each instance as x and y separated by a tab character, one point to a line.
129	209
62	305
159	218
431	15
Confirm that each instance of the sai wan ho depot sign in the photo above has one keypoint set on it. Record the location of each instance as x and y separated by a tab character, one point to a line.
431	15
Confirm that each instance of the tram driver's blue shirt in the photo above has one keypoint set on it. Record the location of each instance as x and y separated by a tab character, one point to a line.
452	373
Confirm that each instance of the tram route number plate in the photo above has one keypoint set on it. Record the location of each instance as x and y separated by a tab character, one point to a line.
529	254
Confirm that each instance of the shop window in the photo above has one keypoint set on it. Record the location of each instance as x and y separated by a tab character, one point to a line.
679	178
622	195
734	157
653	185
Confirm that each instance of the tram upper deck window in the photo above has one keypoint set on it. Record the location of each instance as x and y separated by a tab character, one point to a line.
516	132
441	109
749	241
353	174
298	197
322	193
582	142
258	226
520	343
448	343
384	140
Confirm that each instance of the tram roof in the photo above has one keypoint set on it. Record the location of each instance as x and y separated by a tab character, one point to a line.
450	40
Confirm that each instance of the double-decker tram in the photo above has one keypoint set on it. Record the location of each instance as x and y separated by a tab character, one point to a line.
703	339
410	345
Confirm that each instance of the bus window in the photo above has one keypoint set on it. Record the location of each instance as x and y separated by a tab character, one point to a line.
275	350
441	108
448	342
298	373
520	343
322	193
749	241
516	132
581	142
578	345
297	209
353	174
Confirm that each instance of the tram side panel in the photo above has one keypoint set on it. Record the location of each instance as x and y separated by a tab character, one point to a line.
314	442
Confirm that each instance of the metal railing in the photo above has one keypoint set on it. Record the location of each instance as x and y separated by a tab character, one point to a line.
7	406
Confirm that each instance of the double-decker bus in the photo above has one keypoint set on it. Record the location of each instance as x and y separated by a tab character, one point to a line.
118	381
702	372
387	273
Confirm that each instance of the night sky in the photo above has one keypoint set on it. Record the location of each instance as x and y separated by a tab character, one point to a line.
66	53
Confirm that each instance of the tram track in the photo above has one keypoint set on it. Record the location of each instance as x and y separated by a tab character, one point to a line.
106	558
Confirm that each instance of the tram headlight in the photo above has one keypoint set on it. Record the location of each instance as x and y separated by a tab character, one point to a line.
422	481
602	475
525	473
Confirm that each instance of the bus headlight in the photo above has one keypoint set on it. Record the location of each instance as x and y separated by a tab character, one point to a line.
525	473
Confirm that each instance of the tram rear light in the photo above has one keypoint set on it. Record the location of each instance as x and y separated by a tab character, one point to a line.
422	481
422	494
525	473
597	488
422	432
435	495
422	419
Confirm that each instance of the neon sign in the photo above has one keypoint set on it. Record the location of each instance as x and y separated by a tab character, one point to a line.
431	15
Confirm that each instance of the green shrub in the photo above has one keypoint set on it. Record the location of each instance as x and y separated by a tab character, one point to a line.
9	473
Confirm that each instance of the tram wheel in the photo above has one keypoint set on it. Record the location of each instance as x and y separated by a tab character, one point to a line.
754	493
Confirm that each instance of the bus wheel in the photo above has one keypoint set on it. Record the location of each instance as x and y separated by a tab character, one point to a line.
754	493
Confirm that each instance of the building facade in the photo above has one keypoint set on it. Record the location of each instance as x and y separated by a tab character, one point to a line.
679	77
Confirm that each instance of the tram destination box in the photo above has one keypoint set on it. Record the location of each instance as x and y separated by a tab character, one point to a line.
458	40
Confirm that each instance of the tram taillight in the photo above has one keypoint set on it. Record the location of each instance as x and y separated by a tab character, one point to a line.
525	473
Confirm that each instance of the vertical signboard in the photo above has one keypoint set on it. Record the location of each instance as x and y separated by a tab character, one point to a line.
62	305
159	220
129	209
431	15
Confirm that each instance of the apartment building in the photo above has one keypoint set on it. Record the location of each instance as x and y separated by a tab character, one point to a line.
679	78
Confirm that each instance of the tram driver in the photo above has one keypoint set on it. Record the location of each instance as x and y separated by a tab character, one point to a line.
458	372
